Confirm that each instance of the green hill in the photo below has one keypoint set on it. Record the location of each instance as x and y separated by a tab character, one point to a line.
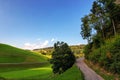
9	54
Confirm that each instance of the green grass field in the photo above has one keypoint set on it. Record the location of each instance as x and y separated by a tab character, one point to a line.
9	54
42	73
24	71
71	74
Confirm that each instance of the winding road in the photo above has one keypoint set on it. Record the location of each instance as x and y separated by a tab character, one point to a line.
89	74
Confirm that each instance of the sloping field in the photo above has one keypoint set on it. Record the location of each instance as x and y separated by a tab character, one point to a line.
27	65
9	54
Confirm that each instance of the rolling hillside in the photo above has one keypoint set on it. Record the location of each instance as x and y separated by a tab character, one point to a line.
9	54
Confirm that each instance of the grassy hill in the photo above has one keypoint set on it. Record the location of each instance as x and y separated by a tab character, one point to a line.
9	54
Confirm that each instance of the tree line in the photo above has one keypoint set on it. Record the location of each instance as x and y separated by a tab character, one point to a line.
103	21
98	28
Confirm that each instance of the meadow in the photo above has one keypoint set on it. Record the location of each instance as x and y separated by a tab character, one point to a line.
40	73
18	64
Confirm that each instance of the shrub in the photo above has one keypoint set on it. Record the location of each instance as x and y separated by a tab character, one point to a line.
87	50
115	53
108	55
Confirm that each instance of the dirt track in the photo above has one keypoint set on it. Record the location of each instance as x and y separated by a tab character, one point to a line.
89	74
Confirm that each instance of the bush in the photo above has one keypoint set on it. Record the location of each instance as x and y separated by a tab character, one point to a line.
108	55
115	53
87	50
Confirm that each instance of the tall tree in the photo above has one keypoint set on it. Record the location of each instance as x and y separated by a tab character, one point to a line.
86	29
99	18
114	13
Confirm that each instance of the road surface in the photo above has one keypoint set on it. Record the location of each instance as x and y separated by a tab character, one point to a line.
89	74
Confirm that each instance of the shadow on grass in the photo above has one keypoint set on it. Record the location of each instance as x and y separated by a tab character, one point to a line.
2	78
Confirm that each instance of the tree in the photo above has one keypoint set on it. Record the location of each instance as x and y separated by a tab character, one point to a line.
62	57
113	9
100	26
86	29
100	18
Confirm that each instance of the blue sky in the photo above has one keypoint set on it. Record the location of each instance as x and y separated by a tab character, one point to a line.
40	23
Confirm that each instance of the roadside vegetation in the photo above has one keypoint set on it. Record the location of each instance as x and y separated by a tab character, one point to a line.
102	72
101	28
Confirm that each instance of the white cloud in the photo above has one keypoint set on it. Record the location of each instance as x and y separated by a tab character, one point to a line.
31	46
45	44
52	39
78	43
28	46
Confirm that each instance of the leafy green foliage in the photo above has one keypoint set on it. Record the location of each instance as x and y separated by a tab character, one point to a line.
108	55
105	74
85	28
62	57
115	56
87	50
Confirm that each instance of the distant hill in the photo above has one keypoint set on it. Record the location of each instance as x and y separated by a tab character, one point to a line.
9	54
77	49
